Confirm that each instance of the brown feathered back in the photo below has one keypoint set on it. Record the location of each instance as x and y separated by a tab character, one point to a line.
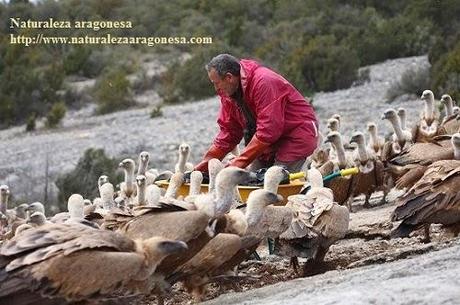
76	262
434	198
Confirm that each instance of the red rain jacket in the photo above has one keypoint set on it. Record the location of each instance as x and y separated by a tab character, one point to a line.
284	118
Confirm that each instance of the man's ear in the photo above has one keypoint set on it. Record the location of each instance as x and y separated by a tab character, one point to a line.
228	75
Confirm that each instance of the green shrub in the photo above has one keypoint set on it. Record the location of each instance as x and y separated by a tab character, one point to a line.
169	92
26	89
71	96
75	60
83	179
95	63
156	112
86	61
394	37
51	80
30	126
364	76
55	115
446	74
6	111
189	81
144	82
413	81
112	92
324	65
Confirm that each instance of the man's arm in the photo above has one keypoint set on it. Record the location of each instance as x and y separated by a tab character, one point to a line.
269	103
230	134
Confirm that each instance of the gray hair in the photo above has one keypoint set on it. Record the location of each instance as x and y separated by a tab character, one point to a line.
224	63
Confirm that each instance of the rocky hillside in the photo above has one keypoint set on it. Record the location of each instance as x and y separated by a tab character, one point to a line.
25	158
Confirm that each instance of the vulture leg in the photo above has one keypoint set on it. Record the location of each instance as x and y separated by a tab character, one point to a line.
426	231
316	265
294	263
367	205
196	287
161	297
198	293
385	194
348	204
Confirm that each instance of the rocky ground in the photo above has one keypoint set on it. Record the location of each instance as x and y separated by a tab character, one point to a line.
366	267
431	278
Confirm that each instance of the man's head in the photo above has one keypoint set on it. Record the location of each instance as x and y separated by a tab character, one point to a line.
224	73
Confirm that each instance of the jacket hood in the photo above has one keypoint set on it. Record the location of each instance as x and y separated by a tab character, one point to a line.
248	67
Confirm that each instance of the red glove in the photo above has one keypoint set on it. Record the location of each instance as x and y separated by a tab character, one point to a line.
213	152
254	149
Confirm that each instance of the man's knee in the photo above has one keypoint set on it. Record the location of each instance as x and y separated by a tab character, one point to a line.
292	166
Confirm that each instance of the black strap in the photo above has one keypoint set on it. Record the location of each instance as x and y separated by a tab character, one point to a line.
250	129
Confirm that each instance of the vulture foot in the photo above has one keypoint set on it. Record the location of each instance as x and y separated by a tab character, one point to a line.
426	236
294	263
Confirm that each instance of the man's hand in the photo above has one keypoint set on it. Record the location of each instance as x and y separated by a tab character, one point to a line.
213	152
254	149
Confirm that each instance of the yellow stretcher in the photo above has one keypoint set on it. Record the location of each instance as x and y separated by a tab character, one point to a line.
294	187
284	190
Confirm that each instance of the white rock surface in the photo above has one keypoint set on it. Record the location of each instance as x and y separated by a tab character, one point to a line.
431	278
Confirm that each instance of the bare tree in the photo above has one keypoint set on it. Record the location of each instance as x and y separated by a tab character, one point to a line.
45	195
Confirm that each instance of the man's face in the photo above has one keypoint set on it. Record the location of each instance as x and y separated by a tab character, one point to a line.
226	85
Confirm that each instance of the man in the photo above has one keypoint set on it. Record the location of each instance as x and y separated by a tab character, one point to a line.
277	122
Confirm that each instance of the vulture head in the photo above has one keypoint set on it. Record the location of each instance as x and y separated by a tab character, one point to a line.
273	177
75	206
232	176
144	157
184	149
127	164
140	180
371	127
36	207
358	138
157	248
21	210
427	96
333	124
401	112
334	137
256	203
456	142
446	100
102	179
337	117
37	219
4	194
390	114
